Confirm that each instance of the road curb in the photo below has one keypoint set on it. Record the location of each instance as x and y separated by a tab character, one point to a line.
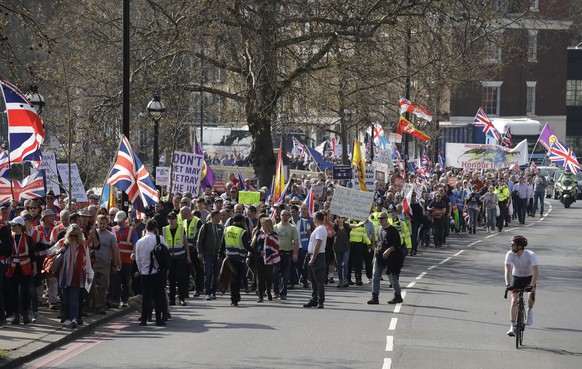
83	330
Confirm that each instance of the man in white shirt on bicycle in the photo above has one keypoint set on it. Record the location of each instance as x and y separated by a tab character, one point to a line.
521	271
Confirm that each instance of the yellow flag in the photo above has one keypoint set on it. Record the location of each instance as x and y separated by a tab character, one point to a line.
358	162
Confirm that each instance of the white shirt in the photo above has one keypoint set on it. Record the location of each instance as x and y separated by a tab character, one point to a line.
320	233
522	265
143	249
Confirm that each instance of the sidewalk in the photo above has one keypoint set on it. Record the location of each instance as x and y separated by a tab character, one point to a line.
22	343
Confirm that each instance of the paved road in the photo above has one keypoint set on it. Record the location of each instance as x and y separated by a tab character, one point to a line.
454	316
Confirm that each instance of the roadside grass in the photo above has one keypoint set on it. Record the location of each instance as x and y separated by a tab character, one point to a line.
4	354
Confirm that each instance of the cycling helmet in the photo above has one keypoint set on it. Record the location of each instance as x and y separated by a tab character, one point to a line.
519	241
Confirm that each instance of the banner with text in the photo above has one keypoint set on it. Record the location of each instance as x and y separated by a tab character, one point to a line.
162	176
351	203
186	172
249	197
77	187
477	156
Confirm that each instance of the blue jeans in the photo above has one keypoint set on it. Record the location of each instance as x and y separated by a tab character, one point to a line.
341	261
211	269
379	267
72	302
538	196
521	209
282	274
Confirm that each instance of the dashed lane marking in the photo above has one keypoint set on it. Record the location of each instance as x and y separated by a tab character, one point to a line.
431	267
393	323
387	363
421	275
389	343
411	284
457	254
444	261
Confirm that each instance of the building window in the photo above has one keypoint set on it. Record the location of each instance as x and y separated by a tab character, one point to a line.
491	97
534	5
574	93
531	97
532	46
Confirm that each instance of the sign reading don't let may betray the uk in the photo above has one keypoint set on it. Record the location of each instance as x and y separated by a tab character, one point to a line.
186	172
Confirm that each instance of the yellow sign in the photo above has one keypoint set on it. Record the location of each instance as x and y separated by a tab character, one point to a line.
249	197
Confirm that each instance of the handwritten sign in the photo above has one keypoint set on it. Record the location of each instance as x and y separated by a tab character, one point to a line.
77	188
186	172
49	165
350	203
249	197
162	176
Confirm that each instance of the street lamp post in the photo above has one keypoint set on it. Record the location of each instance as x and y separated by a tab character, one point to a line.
156	109
35	98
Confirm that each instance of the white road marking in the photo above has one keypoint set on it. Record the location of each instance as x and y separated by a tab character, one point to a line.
403	294
421	275
492	235
542	218
431	267
473	243
393	323
411	284
389	343
529	225
459	253
387	363
397	308
444	261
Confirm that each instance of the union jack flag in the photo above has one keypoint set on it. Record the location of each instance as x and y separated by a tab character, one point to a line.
507	140
333	142
272	255
440	158
25	129
533	166
396	154
425	160
299	149
310	202
563	156
482	120
4	169
31	187
130	175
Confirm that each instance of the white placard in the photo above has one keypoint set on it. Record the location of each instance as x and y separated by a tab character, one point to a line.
77	187
395	137
186	172
162	176
351	203
370	177
51	176
385	156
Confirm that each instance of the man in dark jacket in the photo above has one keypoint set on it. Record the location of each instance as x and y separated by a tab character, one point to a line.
389	254
208	245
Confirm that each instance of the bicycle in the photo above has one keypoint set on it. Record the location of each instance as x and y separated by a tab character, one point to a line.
520	316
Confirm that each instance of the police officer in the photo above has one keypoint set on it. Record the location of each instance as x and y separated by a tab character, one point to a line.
402	227
359	243
237	242
192	225
175	238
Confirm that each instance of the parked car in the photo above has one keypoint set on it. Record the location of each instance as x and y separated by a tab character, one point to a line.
556	177
548	172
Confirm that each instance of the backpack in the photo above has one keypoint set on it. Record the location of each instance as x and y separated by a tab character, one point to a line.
161	254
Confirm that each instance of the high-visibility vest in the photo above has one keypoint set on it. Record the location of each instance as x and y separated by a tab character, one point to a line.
175	243
304	225
359	235
20	256
502	193
191	229
125	244
233	241
375	221
403	230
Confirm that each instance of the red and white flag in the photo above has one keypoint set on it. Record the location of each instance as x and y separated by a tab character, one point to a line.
416	109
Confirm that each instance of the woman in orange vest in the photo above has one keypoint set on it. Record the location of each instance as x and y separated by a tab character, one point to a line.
75	272
21	269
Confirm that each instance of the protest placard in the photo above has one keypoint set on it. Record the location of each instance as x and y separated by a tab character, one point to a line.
341	172
162	176
249	197
351	203
49	165
77	187
186	172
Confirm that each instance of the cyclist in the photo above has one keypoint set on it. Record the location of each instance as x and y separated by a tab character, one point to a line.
521	269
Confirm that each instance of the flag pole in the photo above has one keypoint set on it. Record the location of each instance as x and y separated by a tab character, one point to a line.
536	145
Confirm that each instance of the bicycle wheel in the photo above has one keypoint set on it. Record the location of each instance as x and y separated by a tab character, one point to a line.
520	324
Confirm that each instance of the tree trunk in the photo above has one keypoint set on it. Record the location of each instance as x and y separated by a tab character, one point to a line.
261	156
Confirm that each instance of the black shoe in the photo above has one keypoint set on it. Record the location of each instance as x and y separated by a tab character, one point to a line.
374	300
331	280
25	319
350	282
396	300
270	297
320	306
359	283
172	303
234	304
79	321
160	323
142	323
310	304
16	320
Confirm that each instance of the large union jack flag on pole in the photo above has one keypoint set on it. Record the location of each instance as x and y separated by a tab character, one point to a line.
130	175
483	121
25	130
563	156
31	187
